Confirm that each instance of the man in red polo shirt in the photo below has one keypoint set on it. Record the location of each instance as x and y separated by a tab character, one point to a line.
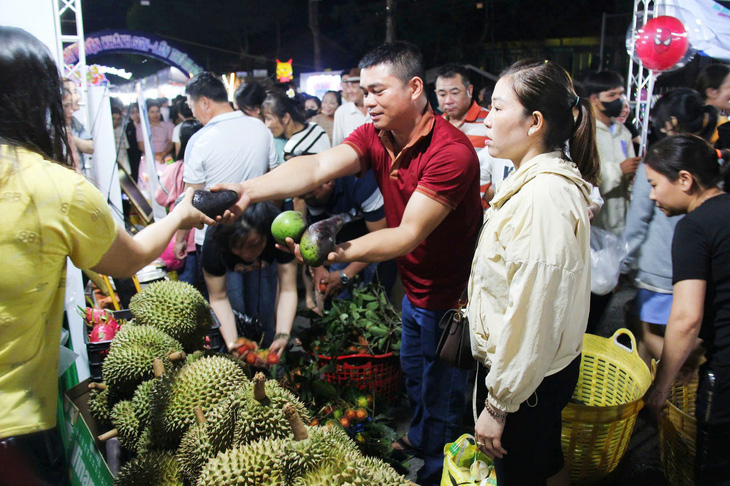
428	173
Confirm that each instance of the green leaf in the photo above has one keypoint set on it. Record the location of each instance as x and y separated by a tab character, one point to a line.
329	368
324	390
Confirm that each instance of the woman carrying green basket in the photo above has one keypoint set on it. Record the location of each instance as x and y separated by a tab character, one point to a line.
529	290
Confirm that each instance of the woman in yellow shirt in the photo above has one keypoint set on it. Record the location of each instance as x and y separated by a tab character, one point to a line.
48	213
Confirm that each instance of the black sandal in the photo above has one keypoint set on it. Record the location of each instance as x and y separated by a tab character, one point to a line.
404	446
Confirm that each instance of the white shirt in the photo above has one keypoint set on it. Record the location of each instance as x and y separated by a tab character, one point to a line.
231	147
310	140
614	146
493	170
347	118
176	133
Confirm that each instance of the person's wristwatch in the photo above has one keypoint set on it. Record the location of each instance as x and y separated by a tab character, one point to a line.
344	279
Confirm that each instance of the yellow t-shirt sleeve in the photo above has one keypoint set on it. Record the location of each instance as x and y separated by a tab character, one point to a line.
91	228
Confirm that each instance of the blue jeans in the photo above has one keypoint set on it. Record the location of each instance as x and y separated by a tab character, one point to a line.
435	391
189	272
254	294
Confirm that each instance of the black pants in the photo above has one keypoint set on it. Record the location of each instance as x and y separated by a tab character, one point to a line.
712	462
36	459
531	436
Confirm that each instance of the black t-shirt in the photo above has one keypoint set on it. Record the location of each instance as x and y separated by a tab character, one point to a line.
217	261
701	251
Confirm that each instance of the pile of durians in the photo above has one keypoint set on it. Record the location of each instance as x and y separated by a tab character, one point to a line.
193	417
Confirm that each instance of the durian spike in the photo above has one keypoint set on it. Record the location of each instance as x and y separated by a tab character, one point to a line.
158	366
108	435
199	417
297	426
176	356
259	387
97	386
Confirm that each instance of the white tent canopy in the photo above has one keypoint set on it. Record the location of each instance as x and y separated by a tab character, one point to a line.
709	19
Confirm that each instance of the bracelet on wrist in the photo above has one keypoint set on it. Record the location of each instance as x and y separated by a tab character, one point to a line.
497	414
281	335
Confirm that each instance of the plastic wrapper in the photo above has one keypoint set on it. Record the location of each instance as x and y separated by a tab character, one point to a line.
465	464
608	252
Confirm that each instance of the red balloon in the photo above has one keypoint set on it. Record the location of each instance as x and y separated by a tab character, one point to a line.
661	43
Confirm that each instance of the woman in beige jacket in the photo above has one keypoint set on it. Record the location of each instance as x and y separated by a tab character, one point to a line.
529	290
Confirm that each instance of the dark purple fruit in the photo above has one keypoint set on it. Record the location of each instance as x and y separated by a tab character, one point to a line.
319	241
210	203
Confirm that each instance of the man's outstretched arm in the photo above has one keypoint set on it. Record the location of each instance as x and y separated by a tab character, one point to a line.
293	178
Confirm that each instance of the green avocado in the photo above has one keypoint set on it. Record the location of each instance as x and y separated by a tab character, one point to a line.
288	224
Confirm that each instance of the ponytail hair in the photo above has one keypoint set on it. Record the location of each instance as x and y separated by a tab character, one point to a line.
279	104
689	111
709	167
582	142
546	87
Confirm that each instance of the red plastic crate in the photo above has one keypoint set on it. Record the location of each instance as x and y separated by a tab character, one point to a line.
379	374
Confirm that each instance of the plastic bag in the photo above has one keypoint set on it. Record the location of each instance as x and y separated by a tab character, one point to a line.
608	251
168	256
464	464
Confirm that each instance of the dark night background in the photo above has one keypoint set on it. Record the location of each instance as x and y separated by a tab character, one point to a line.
242	35
237	35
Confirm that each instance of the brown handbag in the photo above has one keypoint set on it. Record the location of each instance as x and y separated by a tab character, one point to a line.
454	348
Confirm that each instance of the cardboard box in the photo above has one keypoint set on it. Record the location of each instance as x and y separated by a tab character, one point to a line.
86	454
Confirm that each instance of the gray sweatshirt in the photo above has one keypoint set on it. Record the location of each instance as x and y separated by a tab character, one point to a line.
649	235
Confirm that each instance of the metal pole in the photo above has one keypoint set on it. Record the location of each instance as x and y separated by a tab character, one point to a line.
603	40
389	21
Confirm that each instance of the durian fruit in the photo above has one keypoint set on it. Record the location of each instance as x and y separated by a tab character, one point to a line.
176	308
202	353
156	468
213	433
313	447
254	464
141	403
99	402
255	411
203	383
129	361
353	470
259	410
126	425
277	461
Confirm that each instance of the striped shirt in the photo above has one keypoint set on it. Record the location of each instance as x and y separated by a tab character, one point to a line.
311	140
474	129
473	125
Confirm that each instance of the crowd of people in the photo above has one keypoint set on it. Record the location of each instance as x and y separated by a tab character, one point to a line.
488	195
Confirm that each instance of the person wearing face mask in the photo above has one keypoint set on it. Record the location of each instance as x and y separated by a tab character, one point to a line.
605	90
618	163
312	105
326	116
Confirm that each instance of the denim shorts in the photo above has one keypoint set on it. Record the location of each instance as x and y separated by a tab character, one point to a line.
653	307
